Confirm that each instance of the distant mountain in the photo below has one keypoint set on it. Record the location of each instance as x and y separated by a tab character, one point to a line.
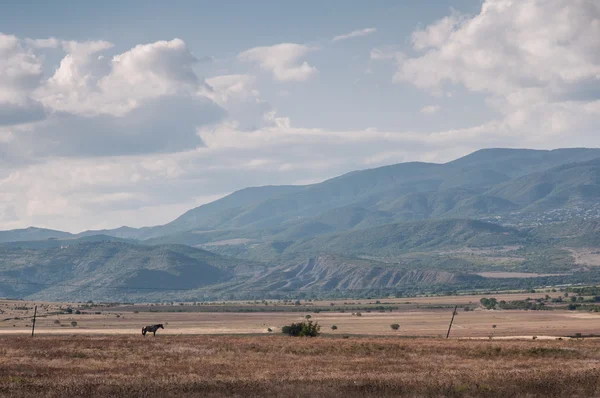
487	183
31	233
494	210
104	270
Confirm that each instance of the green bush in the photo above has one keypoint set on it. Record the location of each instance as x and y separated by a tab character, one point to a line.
395	326
302	329
333	327
74	323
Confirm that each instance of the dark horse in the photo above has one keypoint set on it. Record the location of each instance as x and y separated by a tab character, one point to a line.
152	328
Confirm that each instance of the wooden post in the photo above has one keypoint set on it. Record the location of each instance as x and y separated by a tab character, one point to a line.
33	324
452	320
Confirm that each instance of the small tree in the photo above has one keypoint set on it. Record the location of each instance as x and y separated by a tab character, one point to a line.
308	317
333	327
395	326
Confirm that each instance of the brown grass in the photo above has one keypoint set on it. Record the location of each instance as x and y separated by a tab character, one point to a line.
215	366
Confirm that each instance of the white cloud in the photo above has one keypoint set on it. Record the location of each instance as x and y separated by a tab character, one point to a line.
430	109
355	33
284	61
538	62
226	87
20	74
50	42
437	33
144	100
386	53
87	84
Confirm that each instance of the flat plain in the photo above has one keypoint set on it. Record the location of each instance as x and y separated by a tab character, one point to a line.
237	349
417	317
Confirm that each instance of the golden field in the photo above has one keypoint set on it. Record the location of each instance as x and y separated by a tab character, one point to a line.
269	365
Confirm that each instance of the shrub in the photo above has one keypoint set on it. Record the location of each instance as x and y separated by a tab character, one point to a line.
74	323
69	310
395	326
308	317
78	312
333	327
488	304
56	322
302	329
269	330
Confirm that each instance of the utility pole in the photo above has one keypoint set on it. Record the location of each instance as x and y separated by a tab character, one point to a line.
33	324
452	320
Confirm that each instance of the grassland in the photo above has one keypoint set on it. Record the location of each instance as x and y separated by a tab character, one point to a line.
226	349
417	317
251	366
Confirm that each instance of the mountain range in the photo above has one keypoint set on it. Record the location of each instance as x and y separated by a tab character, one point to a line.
398	227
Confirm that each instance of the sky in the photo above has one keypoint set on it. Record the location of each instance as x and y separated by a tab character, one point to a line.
132	112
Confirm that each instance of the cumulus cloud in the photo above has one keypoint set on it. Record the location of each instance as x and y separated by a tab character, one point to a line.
430	109
355	33
283	60
145	100
20	74
85	83
538	62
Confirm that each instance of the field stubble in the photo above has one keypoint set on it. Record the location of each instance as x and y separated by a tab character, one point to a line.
215	366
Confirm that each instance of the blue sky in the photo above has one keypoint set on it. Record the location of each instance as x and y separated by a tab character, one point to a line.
132	112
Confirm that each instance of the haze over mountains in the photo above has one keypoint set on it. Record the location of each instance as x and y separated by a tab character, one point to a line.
404	226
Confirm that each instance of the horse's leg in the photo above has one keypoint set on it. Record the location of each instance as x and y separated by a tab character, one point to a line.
155	333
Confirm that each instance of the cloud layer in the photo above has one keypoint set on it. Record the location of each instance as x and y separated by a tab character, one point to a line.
538	62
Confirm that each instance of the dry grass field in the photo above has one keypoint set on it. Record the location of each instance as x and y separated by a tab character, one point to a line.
476	324
253	366
84	350
417	317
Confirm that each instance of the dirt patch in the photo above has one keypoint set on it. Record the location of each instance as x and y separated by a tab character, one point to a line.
506	275
586	256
